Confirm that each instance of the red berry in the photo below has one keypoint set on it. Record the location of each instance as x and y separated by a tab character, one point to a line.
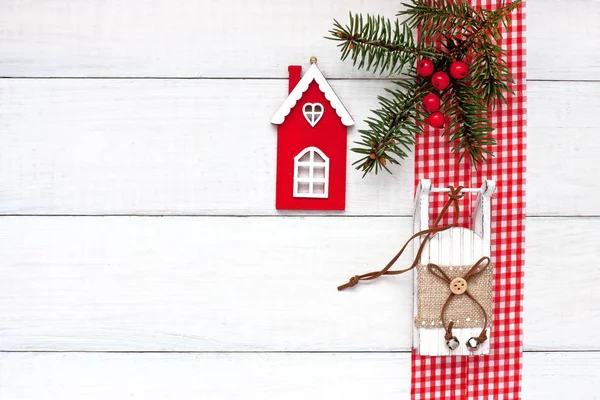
431	102
459	70
425	67
440	80
436	119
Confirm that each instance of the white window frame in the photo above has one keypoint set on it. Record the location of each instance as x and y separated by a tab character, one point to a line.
311	179
311	116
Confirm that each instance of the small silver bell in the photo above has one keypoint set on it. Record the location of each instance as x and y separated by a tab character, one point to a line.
473	344
452	343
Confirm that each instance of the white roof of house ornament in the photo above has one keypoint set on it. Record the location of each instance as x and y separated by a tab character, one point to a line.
315	74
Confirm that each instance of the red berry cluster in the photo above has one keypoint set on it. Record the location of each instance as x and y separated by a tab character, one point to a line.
440	81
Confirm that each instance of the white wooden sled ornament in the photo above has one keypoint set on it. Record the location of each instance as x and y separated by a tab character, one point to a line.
458	247
453	274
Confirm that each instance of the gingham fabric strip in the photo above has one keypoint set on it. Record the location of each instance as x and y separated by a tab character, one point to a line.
498	375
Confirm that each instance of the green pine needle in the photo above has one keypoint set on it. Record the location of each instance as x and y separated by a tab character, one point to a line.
449	30
376	44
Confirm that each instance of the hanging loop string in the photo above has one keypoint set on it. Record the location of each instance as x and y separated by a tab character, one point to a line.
453	197
475	270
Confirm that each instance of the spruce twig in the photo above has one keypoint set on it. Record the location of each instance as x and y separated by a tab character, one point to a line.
469	130
437	18
392	128
377	44
450	30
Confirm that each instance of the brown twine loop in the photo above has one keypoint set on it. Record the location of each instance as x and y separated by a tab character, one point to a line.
454	195
475	270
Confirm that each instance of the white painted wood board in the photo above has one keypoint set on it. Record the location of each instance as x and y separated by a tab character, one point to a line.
161	147
155	38
266	284
254	284
153	376
206	147
562	149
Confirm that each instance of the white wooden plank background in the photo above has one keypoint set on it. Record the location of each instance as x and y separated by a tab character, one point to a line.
264	283
240	39
192	147
222	284
302	376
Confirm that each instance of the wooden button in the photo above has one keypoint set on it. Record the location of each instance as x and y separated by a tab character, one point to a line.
458	286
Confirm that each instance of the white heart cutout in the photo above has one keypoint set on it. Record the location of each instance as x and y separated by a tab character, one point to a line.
313	112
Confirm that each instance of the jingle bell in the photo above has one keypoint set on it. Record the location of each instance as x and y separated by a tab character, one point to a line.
452	343
473	344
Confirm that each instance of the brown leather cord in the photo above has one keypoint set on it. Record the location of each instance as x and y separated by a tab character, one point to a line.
449	334
475	270
453	196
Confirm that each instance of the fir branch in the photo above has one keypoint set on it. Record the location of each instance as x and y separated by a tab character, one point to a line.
491	75
440	17
376	44
457	31
489	27
469	131
472	33
392	128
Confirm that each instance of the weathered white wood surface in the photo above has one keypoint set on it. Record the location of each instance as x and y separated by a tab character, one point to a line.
206	147
100	376
153	38
222	284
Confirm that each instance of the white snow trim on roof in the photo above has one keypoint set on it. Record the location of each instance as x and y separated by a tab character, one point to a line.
313	73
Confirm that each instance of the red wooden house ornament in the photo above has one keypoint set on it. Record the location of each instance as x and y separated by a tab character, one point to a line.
311	144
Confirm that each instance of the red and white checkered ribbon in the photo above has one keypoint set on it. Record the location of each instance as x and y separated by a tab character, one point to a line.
498	375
